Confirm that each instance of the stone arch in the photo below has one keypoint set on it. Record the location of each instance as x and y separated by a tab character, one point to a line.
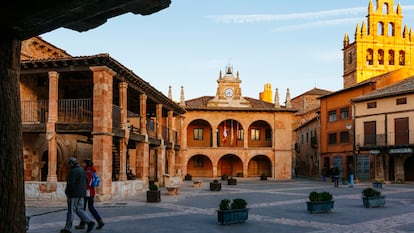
385	8
231	165
380	57
391	29
391	57
380	28
401	58
370	57
260	134
409	169
230	133
258	165
63	155
199	133
200	166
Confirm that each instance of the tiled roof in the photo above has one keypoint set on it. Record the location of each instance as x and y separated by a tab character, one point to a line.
315	91
257	105
406	86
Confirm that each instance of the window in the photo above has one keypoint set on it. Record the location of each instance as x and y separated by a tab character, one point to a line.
380	57
385	9
198	161
370	57
391	30
401	58
332	115
401	101
303	141
268	134
344	113
380	28
344	137
350	58
370	133
240	134
391	57
198	134
255	134
307	137
372	105
332	138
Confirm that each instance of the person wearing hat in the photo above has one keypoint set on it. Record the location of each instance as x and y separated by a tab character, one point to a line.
76	192
90	194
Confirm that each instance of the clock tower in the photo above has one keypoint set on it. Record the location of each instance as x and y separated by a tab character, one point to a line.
229	92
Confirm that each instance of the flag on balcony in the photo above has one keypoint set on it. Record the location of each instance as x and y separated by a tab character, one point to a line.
224	133
237	131
232	133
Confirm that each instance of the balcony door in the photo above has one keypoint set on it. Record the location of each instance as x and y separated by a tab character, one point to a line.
370	133
401	131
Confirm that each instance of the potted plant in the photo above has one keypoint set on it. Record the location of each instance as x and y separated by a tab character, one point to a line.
215	185
321	202
372	198
344	180
153	194
232	181
224	177
263	176
378	184
188	177
232	212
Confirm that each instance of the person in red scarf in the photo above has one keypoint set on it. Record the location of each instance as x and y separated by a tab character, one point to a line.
90	194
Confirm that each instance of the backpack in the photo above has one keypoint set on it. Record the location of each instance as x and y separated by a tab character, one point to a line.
95	181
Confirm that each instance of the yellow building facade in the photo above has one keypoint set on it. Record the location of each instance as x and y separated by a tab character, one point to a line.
381	45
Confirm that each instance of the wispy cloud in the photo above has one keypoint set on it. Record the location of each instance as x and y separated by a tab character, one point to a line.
319	23
260	18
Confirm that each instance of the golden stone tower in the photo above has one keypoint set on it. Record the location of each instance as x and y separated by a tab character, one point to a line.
381	45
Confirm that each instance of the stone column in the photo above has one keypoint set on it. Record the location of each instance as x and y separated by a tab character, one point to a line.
142	160
215	173
51	126
171	126
161	163
123	88
246	138
158	122
143	113
102	127
171	161
214	138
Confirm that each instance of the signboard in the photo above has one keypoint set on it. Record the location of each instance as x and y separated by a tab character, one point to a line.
401	150
374	151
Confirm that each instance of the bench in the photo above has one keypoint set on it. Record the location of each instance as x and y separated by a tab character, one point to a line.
172	190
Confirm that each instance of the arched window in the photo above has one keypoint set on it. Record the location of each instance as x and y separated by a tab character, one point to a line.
380	57
380	28
370	57
391	57
391	29
385	9
401	58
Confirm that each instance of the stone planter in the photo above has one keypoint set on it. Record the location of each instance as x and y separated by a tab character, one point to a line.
232	216
232	181
263	177
224	177
371	202
188	177
215	186
320	207
153	196
377	185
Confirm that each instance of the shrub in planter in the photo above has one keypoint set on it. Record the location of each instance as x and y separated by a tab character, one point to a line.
263	176
232	212
153	194
188	177
232	181
321	202
224	177
215	185
344	181
372	198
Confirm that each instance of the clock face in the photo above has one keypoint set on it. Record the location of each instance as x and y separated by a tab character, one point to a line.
228	92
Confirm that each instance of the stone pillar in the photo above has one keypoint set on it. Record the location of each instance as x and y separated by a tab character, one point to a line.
142	160
171	126
51	126
215	172
245	170
161	163
171	162
214	138
102	127
123	88
143	113
246	138
158	123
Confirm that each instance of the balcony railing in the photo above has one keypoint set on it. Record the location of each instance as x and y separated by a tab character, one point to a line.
75	111
116	116
151	128
34	111
403	137
371	140
165	133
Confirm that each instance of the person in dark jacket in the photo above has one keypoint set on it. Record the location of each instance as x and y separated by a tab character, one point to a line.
75	192
90	194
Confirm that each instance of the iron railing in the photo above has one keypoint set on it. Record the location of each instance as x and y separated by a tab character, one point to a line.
116	116
75	111
35	111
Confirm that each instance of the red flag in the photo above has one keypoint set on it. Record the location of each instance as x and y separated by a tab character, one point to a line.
224	133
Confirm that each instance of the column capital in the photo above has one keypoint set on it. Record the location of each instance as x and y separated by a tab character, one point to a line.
53	74
123	85
102	69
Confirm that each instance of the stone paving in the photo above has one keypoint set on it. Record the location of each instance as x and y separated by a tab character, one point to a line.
275	206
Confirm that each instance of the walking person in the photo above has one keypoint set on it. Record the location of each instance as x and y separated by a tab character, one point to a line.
351	176
335	175
90	195
75	192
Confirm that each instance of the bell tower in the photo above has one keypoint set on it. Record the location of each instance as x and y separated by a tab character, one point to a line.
380	45
228	91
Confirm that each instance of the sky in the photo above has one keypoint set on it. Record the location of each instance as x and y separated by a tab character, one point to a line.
289	44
